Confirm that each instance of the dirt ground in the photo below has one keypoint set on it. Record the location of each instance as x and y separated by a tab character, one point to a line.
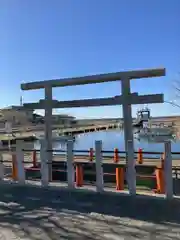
32	212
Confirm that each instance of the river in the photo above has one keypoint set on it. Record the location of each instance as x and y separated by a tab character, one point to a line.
115	139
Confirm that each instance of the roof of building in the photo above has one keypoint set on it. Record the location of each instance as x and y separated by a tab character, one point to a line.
63	116
16	107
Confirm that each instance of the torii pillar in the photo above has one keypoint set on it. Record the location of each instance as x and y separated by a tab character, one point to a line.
48	127
128	136
127	112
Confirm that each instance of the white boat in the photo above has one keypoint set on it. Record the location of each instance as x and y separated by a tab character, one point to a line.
154	131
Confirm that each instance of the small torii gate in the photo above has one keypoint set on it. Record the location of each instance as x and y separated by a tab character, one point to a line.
126	100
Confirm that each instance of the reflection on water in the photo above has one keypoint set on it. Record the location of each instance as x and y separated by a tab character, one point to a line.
157	139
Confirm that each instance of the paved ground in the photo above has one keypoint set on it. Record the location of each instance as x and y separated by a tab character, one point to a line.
35	213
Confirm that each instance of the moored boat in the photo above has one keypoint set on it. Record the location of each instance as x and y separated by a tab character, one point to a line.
154	131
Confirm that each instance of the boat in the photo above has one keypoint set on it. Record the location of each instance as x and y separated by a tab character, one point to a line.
153	131
143	116
146	129
157	139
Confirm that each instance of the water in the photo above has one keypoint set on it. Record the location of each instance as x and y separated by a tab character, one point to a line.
114	139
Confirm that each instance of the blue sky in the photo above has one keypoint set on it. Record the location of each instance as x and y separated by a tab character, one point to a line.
61	38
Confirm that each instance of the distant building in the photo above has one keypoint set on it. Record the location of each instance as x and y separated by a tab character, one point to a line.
63	119
19	115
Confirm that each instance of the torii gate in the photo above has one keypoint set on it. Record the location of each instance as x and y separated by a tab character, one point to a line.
126	100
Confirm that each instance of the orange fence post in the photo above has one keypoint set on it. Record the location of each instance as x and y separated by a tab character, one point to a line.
14	167
34	159
119	178
79	175
140	156
160	180
91	153
116	157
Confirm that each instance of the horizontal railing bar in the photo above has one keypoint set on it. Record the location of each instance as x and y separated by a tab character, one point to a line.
87	151
10	151
81	151
147	152
174	168
103	151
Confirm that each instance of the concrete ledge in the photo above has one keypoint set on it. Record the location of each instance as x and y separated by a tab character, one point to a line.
89	190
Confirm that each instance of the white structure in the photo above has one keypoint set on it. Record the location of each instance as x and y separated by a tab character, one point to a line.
20	161
126	99
44	164
70	164
99	168
168	170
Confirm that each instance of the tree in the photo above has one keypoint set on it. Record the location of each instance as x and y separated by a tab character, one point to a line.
176	88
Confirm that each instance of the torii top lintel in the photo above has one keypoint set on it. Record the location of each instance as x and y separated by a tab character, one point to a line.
109	77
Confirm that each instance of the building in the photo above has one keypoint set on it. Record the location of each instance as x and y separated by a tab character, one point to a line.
63	119
19	115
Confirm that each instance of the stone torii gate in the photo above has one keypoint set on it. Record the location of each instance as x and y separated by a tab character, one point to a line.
126	100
